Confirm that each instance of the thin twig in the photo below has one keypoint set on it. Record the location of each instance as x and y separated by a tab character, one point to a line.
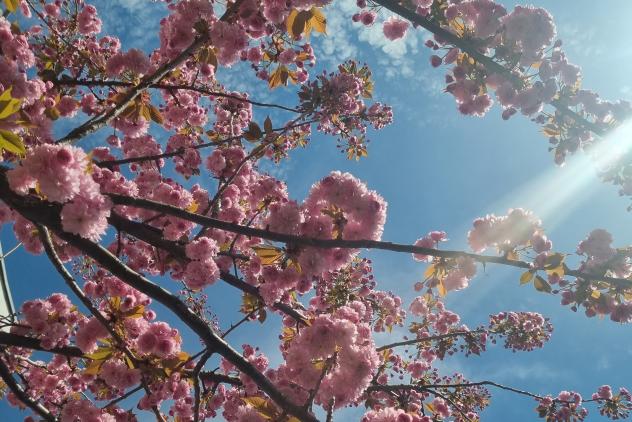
169	87
431	338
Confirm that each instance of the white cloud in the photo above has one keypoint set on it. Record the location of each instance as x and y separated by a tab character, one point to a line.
339	44
345	40
136	22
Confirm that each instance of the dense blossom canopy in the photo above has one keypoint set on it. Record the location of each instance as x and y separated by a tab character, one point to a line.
138	226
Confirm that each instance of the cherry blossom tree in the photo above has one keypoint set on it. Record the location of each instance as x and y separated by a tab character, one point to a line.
128	224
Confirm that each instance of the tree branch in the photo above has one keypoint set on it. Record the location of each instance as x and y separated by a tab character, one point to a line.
40	212
178	87
431	338
339	243
72	284
196	384
34	405
219	378
106	117
9	339
153	236
145	158
487	62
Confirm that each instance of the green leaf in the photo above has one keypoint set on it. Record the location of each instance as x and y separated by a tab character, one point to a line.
11	142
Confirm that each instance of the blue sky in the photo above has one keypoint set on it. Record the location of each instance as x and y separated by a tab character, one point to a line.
439	170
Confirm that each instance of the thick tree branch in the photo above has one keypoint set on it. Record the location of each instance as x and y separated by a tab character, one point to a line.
9	339
489	64
153	236
212	377
40	212
72	284
106	117
34	405
339	243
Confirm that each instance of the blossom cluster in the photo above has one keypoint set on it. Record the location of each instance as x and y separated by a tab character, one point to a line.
519	228
337	345
524	331
52	320
61	174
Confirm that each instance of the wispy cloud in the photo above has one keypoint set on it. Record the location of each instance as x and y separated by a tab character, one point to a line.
347	40
135	22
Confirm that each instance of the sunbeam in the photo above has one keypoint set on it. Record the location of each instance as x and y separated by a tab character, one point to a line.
557	192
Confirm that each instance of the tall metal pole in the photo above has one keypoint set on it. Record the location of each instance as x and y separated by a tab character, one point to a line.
7	310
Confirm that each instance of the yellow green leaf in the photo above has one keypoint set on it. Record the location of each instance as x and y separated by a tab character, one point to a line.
249	303
263	406
596	294
429	271
441	289
278	77
12	5
129	362
298	22
268	254
512	255
208	56
155	114
135	312
144	112
293	263
100	354
52	113
183	356
11	142
551	131
93	368
557	270
526	277
318	21
193	206
553	261
8	104
288	334
115	303
319	364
